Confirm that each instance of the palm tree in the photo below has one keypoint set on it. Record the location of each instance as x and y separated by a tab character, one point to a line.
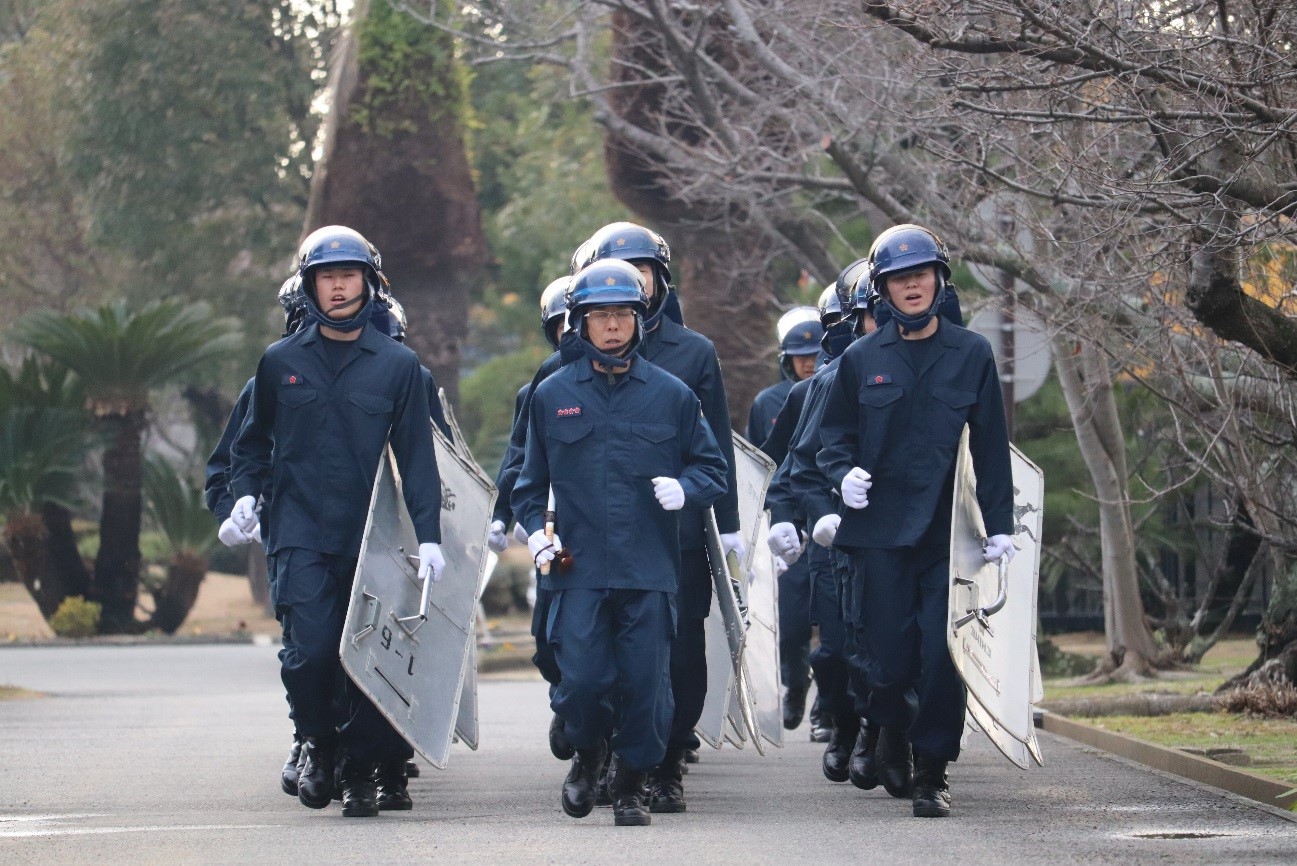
43	446
176	506
120	356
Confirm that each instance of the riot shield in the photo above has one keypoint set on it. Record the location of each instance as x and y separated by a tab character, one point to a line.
466	722
406	645
724	634
992	625
761	655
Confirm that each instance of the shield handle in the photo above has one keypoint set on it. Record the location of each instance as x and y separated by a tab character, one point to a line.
1002	596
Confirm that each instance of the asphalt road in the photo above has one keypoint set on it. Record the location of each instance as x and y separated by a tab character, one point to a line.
171	754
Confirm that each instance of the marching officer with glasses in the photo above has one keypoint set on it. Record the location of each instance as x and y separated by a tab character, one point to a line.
616	448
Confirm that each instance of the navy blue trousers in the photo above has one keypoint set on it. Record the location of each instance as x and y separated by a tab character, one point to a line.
898	608
613	648
795	624
689	648
543	657
311	592
829	659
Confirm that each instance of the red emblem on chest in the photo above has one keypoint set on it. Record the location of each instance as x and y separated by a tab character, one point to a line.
569	412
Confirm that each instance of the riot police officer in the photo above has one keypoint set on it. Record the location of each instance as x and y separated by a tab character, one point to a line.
890	431
615	448
691	358
326	401
799	332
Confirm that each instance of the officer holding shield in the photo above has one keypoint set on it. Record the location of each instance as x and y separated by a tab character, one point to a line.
615	449
326	402
890	433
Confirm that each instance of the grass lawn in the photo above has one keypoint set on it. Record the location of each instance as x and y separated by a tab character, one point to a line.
1270	744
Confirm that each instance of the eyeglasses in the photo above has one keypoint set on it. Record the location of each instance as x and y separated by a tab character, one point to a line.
603	317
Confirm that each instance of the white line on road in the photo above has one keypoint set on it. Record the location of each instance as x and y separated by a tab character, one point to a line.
96	831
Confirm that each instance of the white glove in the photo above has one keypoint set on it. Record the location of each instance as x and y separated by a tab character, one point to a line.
780	566
732	541
826	529
231	536
670	495
519	533
542	549
496	539
997	546
244	513
855	488
431	561
784	542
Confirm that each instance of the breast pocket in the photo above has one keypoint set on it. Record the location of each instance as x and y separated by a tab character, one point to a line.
656	449
297	417
567	439
370	415
949	412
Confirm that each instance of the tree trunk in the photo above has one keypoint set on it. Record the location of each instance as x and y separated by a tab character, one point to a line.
117	567
395	169
721	267
1087	386
174	599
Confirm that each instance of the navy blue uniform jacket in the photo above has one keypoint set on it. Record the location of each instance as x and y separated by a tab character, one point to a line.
765	409
784	500
691	358
781	437
599	446
902	426
327	432
216	486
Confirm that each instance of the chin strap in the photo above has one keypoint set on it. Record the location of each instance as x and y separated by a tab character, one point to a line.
355	323
920	321
609	362
838	336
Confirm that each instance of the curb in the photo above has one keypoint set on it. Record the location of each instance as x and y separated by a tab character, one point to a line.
1261	789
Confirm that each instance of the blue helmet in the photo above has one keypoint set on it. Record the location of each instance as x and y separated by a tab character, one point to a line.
800	334
829	306
389	317
607	282
553	309
629	242
903	249
838	321
846	281
333	246
864	297
581	256
293	300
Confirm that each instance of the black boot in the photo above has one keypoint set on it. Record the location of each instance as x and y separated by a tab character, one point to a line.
393	795
691	757
931	788
864	768
821	728
578	787
628	795
558	742
837	755
288	775
666	786
892	758
411	770
359	794
315	779
794	705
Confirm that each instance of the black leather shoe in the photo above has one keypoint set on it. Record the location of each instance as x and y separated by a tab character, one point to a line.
863	769
315	779
582	778
359	794
837	755
931	788
392	795
558	742
691	757
628	796
411	770
666	790
892	758
821	728
288	775
794	707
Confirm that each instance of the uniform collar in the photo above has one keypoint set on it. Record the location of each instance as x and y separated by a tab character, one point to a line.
369	339
665	334
585	370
